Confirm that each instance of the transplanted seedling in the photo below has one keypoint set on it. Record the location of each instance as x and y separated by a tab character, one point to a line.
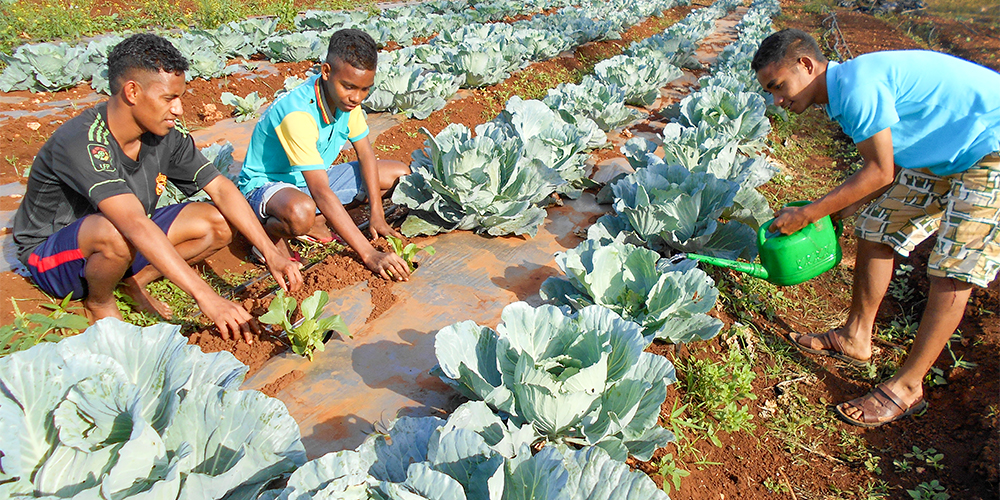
409	251
308	334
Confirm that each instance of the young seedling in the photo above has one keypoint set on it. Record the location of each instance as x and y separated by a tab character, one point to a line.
307	335
930	456
409	251
30	329
671	473
929	491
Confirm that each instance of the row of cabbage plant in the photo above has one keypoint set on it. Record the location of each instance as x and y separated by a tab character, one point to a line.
636	76
417	80
710	169
496	181
576	371
54	66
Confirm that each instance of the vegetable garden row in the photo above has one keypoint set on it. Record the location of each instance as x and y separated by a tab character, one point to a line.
561	395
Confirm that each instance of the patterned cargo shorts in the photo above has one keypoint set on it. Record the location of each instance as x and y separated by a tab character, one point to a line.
964	208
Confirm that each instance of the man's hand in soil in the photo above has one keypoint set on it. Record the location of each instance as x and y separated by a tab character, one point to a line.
285	271
229	317
388	265
377	226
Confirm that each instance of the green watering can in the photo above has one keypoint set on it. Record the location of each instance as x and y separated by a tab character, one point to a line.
793	258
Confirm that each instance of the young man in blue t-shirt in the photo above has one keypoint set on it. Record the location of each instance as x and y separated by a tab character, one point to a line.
288	173
928	128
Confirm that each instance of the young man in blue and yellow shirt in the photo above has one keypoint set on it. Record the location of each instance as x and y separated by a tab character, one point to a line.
289	174
928	128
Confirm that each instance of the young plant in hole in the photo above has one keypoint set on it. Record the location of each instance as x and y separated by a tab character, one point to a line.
409	251
306	335
930	456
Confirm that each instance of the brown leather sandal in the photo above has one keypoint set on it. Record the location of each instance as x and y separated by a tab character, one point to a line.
836	350
878	407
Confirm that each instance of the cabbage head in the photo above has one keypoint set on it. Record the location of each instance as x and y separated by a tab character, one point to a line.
602	103
641	79
672	209
737	115
578	378
549	139
121	411
668	300
483	183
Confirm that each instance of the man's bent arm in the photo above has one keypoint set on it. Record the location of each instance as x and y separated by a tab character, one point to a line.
237	211
126	213
370	174
875	175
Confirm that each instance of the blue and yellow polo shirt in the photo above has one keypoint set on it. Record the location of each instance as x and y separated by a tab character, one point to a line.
298	132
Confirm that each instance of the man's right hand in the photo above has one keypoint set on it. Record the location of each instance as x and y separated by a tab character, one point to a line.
229	317
388	265
284	270
790	219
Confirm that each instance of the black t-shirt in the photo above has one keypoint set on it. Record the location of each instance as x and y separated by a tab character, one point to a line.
82	165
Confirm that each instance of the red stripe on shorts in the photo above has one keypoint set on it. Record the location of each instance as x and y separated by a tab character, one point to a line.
45	263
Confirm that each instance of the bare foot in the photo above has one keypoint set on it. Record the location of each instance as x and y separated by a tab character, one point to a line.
144	301
320	231
99	310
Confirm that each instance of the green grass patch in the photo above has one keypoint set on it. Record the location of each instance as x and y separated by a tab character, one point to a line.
719	389
25	21
528	84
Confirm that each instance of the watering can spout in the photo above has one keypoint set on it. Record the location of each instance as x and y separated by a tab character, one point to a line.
755	270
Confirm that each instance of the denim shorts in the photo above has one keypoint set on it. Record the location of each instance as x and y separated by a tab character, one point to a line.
345	181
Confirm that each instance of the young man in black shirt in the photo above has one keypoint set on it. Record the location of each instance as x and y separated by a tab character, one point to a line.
88	220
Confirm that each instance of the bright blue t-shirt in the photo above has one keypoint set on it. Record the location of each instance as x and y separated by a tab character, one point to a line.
299	132
944	112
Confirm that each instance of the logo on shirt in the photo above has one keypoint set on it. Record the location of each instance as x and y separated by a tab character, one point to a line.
100	158
161	183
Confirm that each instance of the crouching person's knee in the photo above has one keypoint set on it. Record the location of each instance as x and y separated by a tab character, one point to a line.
99	238
301	216
218	228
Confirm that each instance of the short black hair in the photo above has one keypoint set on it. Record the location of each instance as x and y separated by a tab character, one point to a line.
143	52
786	46
355	47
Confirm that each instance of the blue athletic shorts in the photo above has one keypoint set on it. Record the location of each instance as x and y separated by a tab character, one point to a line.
57	265
345	181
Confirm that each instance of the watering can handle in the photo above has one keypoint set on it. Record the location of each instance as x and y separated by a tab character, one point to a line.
838	227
